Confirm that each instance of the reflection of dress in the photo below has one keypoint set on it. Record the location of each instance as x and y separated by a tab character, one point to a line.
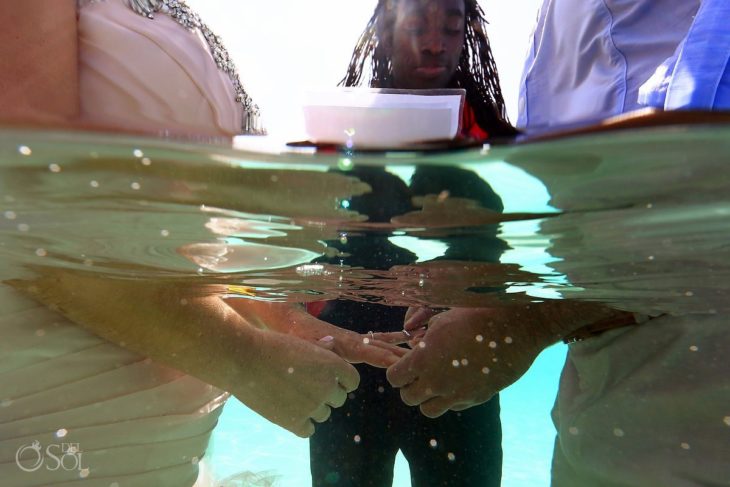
137	423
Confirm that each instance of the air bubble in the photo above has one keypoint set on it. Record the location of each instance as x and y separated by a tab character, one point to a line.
24	150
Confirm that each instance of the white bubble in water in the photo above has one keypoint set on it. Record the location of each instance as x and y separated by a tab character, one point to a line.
433	443
183	302
451	457
146	161
135	186
651	257
165	233
24	150
345	164
290	370
138	153
41	252
54	168
94	184
195	460
421	344
492	344
366	341
10	215
455	363
343	239
685	446
573	430
694	348
464	362
84	472
618	432
357	438
689	294
508	340
61	433
88	263
274	178
381	389
23	227
485	370
479	338
726	420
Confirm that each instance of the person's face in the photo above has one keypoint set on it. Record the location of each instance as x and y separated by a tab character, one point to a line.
426	43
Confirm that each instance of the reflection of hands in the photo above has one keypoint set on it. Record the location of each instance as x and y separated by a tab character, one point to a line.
294	320
464	356
294	383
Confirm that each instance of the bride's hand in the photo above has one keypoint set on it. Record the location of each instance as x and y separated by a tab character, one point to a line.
295	383
294	320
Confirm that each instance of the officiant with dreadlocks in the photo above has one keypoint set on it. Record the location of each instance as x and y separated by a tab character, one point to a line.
415	44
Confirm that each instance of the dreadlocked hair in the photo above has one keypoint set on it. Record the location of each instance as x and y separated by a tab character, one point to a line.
476	72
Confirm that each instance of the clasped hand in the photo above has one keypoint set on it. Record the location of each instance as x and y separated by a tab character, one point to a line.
462	357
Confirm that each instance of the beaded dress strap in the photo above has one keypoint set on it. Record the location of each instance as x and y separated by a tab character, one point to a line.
179	11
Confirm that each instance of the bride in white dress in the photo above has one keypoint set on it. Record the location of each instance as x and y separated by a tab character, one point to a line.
130	421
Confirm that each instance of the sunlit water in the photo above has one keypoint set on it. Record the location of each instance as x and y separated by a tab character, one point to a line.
622	218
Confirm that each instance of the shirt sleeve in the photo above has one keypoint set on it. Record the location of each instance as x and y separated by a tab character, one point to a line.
697	76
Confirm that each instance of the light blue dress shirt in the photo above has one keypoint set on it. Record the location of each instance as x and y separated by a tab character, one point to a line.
593	59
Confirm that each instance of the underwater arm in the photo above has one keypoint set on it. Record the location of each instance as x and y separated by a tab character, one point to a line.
289	381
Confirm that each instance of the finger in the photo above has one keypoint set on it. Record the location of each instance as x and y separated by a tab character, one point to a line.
402	372
462	406
372	341
306	430
415	394
337	399
392	338
418	318
322	413
377	354
348	378
437	406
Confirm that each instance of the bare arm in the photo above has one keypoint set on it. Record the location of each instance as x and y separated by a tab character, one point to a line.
289	381
38	61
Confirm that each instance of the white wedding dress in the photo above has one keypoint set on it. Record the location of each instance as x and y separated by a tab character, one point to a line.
135	423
